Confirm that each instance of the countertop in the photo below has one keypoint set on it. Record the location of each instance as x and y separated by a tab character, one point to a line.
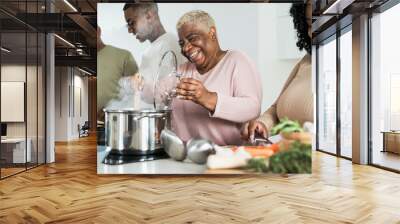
160	166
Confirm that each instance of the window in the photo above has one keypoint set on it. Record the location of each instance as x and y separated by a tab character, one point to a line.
394	119
385	89
346	94
22	75
327	97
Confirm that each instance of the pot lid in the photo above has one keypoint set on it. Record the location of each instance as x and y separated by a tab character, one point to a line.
131	110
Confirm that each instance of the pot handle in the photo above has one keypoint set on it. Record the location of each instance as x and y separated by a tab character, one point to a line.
147	115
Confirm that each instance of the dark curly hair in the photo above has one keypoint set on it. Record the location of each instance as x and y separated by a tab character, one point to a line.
298	12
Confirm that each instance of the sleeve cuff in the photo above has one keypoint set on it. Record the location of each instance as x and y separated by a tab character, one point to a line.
266	124
217	112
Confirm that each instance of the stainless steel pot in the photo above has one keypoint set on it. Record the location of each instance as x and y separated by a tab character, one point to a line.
135	132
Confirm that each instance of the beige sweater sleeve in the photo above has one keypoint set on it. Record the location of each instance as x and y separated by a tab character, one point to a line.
269	118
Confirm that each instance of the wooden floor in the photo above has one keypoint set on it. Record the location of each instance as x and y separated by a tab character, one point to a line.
10	171
70	191
387	159
5	172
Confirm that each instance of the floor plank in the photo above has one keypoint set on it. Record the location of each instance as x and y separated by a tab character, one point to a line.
386	159
70	191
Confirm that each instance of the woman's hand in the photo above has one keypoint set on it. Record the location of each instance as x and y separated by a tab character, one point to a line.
192	89
252	128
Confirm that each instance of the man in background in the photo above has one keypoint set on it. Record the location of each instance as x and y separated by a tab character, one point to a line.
113	64
144	22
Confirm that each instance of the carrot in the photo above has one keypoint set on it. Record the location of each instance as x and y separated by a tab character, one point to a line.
274	147
264	153
258	151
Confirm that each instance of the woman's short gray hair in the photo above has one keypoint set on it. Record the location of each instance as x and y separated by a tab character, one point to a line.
196	17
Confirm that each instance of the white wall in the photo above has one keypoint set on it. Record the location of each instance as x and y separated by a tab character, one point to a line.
14	72
84	85
263	31
33	126
17	73
61	103
50	93
80	83
66	119
277	51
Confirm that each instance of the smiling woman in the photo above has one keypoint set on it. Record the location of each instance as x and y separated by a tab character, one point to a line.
198	40
219	90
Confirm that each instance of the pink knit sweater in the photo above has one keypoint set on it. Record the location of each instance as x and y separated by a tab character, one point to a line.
237	83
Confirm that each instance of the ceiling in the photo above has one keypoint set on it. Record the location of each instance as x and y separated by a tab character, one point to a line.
72	20
332	15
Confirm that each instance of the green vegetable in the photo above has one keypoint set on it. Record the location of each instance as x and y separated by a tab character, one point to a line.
297	159
258	164
287	126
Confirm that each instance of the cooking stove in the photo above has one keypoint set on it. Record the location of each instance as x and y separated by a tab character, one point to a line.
113	158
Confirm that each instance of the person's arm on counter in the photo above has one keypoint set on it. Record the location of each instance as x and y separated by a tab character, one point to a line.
269	118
